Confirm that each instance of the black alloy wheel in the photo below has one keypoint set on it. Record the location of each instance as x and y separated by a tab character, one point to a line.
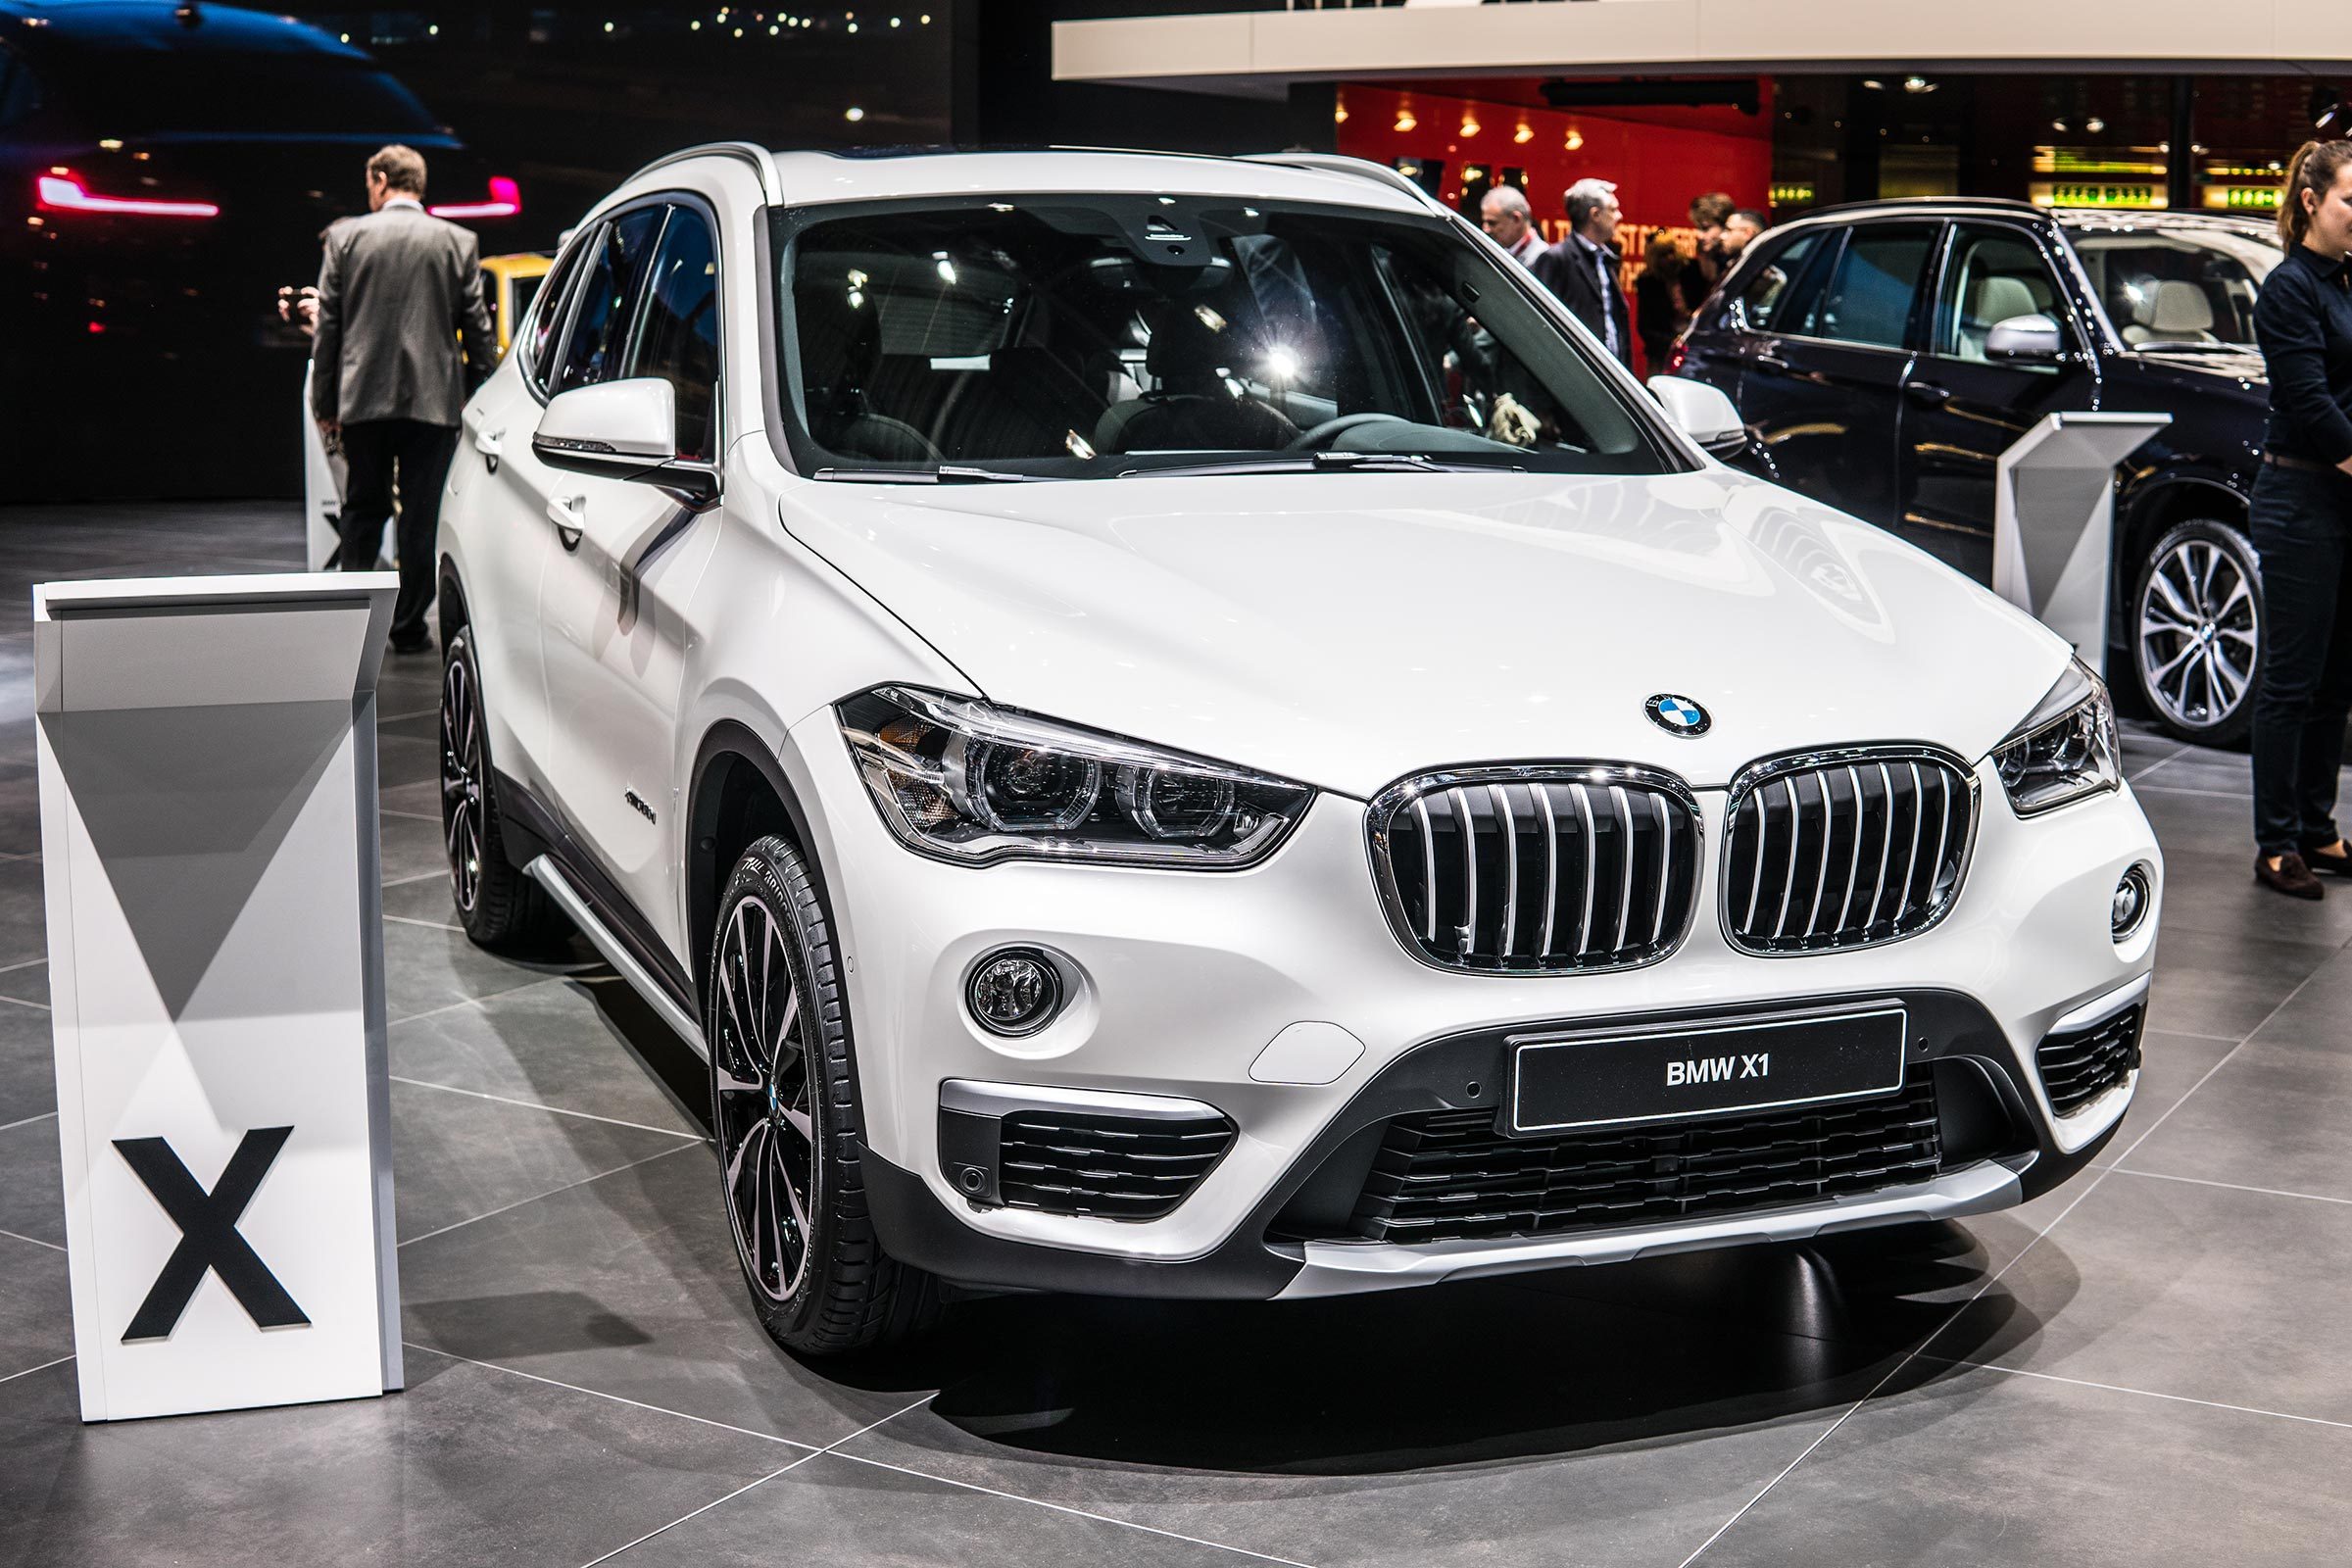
761	1109
499	906
784	1105
2197	626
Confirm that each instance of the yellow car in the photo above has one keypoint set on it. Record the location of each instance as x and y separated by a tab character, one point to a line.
509	285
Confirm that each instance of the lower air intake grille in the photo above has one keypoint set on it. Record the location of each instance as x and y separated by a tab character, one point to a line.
1844	851
1112	1168
2080	1065
1449	1175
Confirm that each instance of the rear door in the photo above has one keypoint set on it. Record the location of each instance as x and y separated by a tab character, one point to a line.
1824	376
1960	409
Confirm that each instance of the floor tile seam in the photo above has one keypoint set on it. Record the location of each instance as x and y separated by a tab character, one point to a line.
404	881
2142	1394
1060	1507
430	925
21	963
2235	1187
31	1370
2187	789
20	1236
2135	778
413	817
553	1192
26	1001
809	1450
27	1121
749	1485
552	1111
1914	1354
421	712
461	1002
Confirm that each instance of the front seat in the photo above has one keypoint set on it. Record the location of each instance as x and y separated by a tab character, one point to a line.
2175	310
1191	407
840	353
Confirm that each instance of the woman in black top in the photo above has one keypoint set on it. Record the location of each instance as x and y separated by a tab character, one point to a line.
2302	526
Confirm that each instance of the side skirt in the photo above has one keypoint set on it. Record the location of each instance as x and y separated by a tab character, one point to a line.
543	870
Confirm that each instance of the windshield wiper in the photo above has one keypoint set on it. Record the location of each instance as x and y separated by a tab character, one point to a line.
1327	463
945	473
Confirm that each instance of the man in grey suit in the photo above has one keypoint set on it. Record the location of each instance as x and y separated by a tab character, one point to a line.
397	291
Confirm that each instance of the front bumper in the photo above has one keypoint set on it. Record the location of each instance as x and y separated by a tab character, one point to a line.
1183	981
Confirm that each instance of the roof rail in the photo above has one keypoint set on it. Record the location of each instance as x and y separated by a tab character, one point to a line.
1360	168
763	162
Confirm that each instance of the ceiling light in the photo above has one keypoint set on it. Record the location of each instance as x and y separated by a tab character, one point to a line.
853	114
1524	134
1469	125
1405	120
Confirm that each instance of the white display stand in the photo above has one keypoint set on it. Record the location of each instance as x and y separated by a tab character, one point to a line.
322	476
2053	521
215	969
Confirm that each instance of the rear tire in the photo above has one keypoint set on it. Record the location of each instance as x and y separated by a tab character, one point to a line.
2196	626
784	1106
499	906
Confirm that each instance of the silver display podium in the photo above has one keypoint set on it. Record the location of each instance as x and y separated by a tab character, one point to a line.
208	785
2053	521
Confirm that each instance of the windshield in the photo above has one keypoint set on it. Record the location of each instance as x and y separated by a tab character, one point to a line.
1072	336
2175	288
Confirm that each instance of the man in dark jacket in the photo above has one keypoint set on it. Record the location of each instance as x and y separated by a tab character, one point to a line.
1583	268
397	290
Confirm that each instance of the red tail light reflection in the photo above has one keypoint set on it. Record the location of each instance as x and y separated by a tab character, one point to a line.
61	192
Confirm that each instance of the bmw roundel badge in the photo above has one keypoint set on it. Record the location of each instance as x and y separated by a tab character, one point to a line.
1677	716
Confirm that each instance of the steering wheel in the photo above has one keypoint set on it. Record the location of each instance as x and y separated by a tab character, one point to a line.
1320	437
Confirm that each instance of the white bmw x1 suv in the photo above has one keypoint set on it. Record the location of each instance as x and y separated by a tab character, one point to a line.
1173	727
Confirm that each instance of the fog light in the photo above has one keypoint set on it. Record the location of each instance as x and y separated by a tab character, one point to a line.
1015	992
2131	903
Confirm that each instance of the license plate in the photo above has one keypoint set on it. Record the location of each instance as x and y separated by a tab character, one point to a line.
1625	1077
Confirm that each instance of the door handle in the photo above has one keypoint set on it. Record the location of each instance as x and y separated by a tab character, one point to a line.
1772	363
491	445
565	511
1927	394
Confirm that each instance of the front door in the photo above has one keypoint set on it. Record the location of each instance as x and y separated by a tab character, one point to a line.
1822	384
1962	410
615	597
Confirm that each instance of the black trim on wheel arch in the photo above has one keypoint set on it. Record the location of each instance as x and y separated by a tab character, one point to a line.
919	1229
704	877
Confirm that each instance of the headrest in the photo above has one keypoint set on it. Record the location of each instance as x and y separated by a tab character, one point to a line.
2000	297
2179	306
1191	343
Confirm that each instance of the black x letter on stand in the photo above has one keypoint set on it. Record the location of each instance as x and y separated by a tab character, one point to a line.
209	1238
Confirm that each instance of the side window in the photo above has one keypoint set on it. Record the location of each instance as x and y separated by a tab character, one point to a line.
1993	274
1771	296
554	300
609	293
1870	296
677	331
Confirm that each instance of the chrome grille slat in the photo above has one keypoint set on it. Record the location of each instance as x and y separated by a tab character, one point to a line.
1766	907
1634	828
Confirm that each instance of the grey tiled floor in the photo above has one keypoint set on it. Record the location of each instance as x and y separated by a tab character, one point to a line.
2145	1367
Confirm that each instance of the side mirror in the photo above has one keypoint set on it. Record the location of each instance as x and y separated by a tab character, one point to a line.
2025	340
621	430
1703	412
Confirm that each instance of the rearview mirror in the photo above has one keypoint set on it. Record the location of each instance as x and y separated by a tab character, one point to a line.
622	430
2026	339
1703	411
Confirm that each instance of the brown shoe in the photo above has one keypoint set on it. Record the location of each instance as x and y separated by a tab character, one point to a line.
2315	859
2290	876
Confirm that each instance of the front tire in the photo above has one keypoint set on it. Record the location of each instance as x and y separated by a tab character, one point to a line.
784	1106
2197	626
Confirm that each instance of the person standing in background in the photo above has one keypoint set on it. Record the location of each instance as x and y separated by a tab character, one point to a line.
400	292
1659	313
1708	213
1511	222
1583	268
1741	228
2302	526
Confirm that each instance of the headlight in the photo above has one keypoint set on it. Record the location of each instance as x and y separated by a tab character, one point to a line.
968	781
2065	750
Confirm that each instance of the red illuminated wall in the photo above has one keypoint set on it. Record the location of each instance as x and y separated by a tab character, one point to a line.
1660	157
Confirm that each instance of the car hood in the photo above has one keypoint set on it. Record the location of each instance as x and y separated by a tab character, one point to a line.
1347	630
